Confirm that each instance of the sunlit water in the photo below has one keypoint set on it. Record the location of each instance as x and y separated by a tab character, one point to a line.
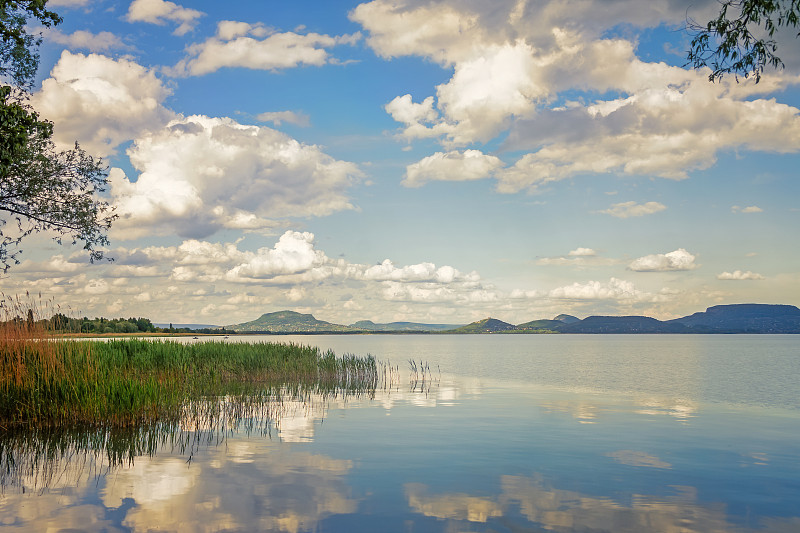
506	433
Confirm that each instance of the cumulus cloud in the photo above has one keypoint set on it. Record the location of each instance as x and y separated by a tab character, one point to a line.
253	46
674	261
450	31
101	102
294	253
440	31
54	265
632	209
432	293
290	117
738	275
81	39
404	110
582	252
677	125
267	175
451	166
161	11
295	260
512	60
386	271
614	289
748	209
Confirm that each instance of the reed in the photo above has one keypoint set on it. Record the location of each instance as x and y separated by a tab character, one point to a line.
48	381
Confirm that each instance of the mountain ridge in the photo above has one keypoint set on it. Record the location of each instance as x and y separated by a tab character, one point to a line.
730	318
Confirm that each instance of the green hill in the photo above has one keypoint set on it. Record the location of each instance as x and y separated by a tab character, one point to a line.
541	326
289	322
368	325
487	325
567	319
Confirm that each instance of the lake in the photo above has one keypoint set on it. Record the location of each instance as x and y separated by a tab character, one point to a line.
512	433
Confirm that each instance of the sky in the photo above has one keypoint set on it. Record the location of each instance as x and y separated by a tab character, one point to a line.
408	160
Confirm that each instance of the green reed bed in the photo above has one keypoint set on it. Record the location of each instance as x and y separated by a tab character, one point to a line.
51	382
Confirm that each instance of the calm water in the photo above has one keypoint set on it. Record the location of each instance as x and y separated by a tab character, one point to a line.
507	433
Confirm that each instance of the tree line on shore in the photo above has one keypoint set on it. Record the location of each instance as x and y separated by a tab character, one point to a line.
60	323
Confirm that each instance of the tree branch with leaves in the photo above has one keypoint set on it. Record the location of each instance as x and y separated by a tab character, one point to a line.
741	40
41	189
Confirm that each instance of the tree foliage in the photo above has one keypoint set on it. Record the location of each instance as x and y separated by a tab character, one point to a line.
41	188
18	56
741	40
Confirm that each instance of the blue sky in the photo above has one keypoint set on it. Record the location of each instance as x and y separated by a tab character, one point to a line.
437	161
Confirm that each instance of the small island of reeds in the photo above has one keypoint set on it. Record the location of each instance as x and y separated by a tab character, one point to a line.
48	381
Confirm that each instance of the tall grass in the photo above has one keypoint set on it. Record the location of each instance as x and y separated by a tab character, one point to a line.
47	381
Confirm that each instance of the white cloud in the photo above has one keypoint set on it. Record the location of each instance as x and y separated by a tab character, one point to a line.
632	209
290	117
81	39
95	287
294	260
54	265
440	31
252	46
674	261
582	252
386	271
194	252
160	11
748	209
738	275
512	60
267	175
230	29
486	91
450	31
294	253
451	166
404	110
100	102
614	289
432	293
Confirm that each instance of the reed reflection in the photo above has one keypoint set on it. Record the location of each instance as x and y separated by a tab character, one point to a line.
42	459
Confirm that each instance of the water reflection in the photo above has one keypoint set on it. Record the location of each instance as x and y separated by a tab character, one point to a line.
221	467
39	460
460	454
588	408
533	500
246	486
638	458
252	485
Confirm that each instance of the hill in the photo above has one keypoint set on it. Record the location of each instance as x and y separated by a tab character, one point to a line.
622	324
567	319
735	318
744	318
487	325
541	326
369	325
289	322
